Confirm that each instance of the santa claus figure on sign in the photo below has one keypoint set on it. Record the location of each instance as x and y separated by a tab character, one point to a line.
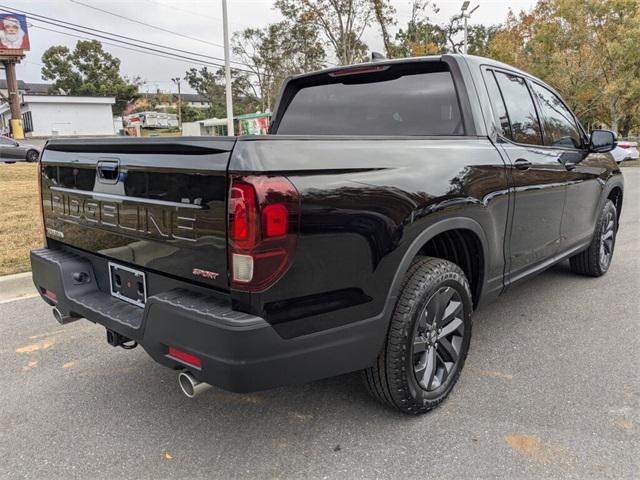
12	35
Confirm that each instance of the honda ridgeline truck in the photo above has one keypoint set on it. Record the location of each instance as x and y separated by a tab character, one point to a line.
390	200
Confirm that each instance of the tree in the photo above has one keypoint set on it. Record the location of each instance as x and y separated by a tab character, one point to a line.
207	84
88	71
585	50
384	16
211	85
273	53
423	37
420	36
341	22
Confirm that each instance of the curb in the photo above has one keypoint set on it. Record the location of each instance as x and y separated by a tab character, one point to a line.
17	286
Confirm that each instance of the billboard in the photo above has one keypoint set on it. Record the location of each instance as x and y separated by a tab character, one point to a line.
14	36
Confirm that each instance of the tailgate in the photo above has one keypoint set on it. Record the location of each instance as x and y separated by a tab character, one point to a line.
155	203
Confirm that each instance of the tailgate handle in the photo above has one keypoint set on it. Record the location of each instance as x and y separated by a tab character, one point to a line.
108	171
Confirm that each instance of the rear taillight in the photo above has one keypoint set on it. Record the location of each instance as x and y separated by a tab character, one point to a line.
624	145
263	220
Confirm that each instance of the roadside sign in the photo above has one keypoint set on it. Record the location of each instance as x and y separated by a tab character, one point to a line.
14	34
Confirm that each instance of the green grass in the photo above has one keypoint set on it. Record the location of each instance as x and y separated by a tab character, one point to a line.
149	132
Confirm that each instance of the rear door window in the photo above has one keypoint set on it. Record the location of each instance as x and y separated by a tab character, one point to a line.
395	102
525	126
560	128
497	103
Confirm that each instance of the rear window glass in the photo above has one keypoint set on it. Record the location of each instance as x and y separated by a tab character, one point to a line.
398	101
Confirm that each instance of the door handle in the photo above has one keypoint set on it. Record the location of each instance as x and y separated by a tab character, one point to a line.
108	171
522	164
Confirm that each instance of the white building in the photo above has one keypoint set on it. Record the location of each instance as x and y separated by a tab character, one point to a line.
208	127
62	115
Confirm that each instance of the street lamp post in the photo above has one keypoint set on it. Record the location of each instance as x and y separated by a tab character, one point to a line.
466	15
176	80
227	68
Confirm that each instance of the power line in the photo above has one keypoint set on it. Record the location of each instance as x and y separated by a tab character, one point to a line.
166	55
58	23
133	20
173	8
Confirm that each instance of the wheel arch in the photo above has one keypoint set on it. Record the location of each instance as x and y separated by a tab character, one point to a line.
460	229
615	194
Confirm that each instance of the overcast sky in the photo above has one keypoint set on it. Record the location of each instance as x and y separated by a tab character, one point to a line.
199	19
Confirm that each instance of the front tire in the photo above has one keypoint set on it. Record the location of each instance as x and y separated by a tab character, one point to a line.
428	338
596	259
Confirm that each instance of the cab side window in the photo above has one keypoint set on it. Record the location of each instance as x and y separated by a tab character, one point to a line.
559	125
497	103
525	125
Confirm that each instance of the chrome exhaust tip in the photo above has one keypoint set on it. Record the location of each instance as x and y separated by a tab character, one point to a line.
190	386
63	319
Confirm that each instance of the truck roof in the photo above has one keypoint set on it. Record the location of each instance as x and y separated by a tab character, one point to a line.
470	59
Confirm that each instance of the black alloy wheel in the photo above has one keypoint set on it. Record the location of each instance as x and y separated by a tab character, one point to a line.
607	238
438	339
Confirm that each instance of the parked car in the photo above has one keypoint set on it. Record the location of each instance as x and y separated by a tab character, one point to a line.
390	201
12	151
625	150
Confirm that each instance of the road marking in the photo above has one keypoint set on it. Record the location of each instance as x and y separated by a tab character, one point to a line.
622	424
45	334
494	374
240	398
30	365
34	347
534	449
15	299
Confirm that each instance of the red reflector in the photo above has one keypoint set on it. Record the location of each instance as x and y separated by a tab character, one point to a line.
275	219
50	295
185	357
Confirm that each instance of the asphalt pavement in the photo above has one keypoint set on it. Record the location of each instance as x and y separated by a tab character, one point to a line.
551	389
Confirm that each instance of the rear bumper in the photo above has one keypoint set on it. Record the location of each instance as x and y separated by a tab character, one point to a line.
239	352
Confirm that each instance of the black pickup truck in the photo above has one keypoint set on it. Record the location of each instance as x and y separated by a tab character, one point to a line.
390	200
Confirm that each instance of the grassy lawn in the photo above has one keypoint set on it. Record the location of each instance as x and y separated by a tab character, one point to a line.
153	132
20	229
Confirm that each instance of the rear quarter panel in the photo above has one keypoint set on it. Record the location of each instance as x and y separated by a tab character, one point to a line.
364	202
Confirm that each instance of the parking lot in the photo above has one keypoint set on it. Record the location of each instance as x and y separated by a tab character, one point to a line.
551	389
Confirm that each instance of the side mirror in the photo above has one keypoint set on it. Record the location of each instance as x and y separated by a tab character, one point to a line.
602	141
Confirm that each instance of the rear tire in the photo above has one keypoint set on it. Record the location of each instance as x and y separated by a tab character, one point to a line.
596	259
428	338
32	156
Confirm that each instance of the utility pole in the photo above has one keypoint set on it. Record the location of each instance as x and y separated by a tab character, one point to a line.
14	99
466	16
227	69
176	80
